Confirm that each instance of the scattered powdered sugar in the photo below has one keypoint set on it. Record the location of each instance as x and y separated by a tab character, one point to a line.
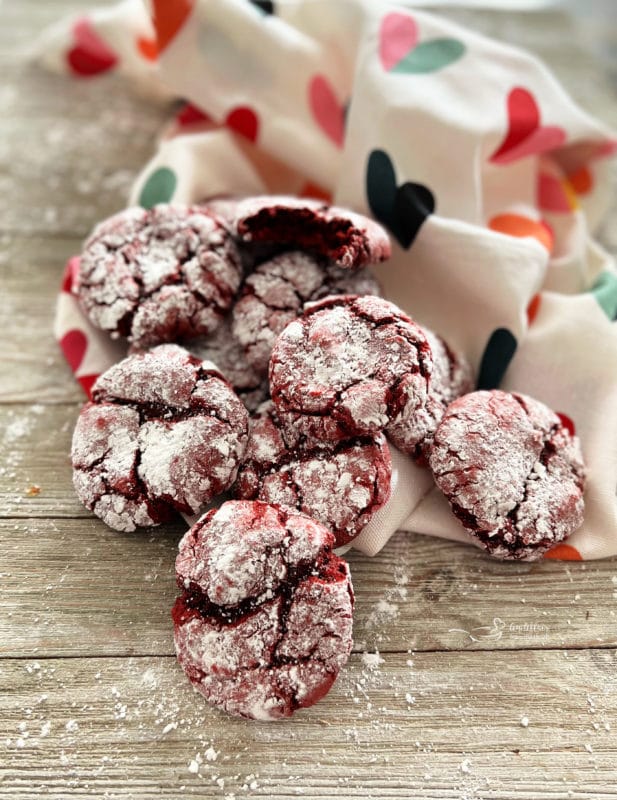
372	661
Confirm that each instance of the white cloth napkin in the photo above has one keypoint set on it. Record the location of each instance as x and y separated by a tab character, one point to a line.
489	178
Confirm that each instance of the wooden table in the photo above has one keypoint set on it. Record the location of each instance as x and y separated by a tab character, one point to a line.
469	678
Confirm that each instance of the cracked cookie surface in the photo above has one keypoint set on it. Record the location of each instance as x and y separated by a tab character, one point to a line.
348	366
264	623
512	472
222	348
413	428
342	237
158	275
341	486
274	294
165	432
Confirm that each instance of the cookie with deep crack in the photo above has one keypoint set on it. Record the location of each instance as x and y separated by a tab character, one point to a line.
348	366
164	433
280	222
274	294
264	622
512	472
158	275
412	429
341	485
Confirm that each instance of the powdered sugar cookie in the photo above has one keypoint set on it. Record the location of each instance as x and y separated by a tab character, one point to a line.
273	295
348	366
341	486
158	275
224	350
412	429
512	472
165	432
264	623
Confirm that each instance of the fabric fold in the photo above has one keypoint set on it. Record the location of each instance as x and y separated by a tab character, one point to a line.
490	180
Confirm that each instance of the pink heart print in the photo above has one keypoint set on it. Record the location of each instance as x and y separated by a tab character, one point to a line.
327	112
526	136
398	35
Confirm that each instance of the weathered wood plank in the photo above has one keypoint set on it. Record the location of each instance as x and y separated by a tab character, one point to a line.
464	725
69	148
35	467
73	587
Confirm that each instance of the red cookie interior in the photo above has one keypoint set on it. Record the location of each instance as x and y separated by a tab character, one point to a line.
340	236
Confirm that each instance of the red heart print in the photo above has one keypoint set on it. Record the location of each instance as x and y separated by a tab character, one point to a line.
87	382
526	135
74	345
397	36
243	120
71	271
564	552
191	115
90	55
567	423
327	112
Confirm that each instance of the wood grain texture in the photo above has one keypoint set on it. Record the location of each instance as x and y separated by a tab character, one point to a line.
60	595
468	725
453	652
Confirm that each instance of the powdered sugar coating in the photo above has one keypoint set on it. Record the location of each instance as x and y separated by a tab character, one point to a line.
341	485
412	429
273	295
224	350
264	622
340	236
512	472
158	275
165	432
348	366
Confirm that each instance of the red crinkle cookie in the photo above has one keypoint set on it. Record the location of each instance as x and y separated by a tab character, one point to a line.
340	236
412	429
341	486
273	295
165	432
348	366
222	348
159	275
512	472
264	623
